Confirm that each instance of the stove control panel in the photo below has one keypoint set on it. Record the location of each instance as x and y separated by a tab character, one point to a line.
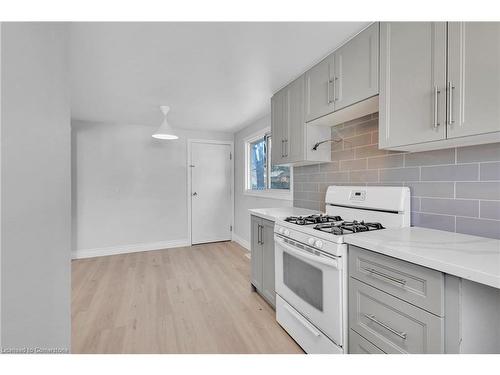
323	244
358	195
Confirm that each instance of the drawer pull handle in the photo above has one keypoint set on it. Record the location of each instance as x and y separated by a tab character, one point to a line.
392	330
378	273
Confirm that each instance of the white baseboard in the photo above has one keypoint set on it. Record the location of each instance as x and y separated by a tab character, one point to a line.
241	241
123	249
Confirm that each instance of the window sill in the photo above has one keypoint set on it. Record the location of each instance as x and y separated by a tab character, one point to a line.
270	194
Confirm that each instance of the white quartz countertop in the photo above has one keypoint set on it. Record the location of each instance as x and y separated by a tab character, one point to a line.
469	257
280	212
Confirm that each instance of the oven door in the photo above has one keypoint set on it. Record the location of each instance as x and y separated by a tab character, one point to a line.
311	282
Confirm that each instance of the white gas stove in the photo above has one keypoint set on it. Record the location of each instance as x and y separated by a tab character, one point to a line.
311	261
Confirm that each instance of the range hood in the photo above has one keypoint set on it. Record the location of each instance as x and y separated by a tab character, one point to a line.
352	112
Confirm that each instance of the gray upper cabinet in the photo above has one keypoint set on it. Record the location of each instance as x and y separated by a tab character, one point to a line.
319	89
356	69
279	126
439	84
347	76
412	83
474	78
294	145
292	139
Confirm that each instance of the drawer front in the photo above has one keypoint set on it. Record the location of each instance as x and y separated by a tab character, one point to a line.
312	340
418	285
359	345
393	325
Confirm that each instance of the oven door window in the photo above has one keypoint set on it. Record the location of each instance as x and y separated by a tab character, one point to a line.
303	279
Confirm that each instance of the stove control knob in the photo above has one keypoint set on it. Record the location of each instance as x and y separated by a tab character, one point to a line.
287	232
311	241
280	230
318	244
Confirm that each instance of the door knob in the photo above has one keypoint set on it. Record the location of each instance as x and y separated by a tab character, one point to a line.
195	194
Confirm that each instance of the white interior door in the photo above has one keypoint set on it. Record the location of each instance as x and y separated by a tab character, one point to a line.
211	201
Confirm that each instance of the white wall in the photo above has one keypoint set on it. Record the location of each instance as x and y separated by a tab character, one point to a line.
35	186
129	189
244	202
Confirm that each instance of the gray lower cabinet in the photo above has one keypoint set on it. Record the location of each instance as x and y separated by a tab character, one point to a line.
412	283
262	248
397	306
400	307
359	345
391	324
257	252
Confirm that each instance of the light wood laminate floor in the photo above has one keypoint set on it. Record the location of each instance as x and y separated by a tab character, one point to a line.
185	300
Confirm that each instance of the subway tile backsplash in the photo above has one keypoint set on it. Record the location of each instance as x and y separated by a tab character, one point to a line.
456	189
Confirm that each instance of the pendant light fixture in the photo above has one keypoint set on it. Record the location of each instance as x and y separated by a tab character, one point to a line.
165	131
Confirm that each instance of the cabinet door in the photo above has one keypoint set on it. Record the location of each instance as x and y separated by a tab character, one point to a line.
276	130
256	248
474	77
412	83
319	93
268	290
285	122
356	68
294	141
279	126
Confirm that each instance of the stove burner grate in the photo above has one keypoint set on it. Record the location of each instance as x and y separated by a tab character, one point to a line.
313	219
347	227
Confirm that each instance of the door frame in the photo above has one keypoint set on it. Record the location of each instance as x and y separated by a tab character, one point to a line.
189	181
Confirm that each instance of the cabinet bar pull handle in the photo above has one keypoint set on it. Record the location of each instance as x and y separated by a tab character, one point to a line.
282	141
374	319
378	273
335	89
286	147
329	82
450	103
436	102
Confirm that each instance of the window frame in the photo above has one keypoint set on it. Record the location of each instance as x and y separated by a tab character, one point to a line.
281	194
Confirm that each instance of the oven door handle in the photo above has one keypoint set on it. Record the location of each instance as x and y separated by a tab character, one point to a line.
314	258
303	321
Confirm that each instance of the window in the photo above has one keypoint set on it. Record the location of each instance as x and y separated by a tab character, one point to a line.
262	178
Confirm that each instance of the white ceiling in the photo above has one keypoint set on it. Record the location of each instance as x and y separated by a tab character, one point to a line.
214	76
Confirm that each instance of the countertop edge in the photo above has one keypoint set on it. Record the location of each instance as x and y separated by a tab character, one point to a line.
262	215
